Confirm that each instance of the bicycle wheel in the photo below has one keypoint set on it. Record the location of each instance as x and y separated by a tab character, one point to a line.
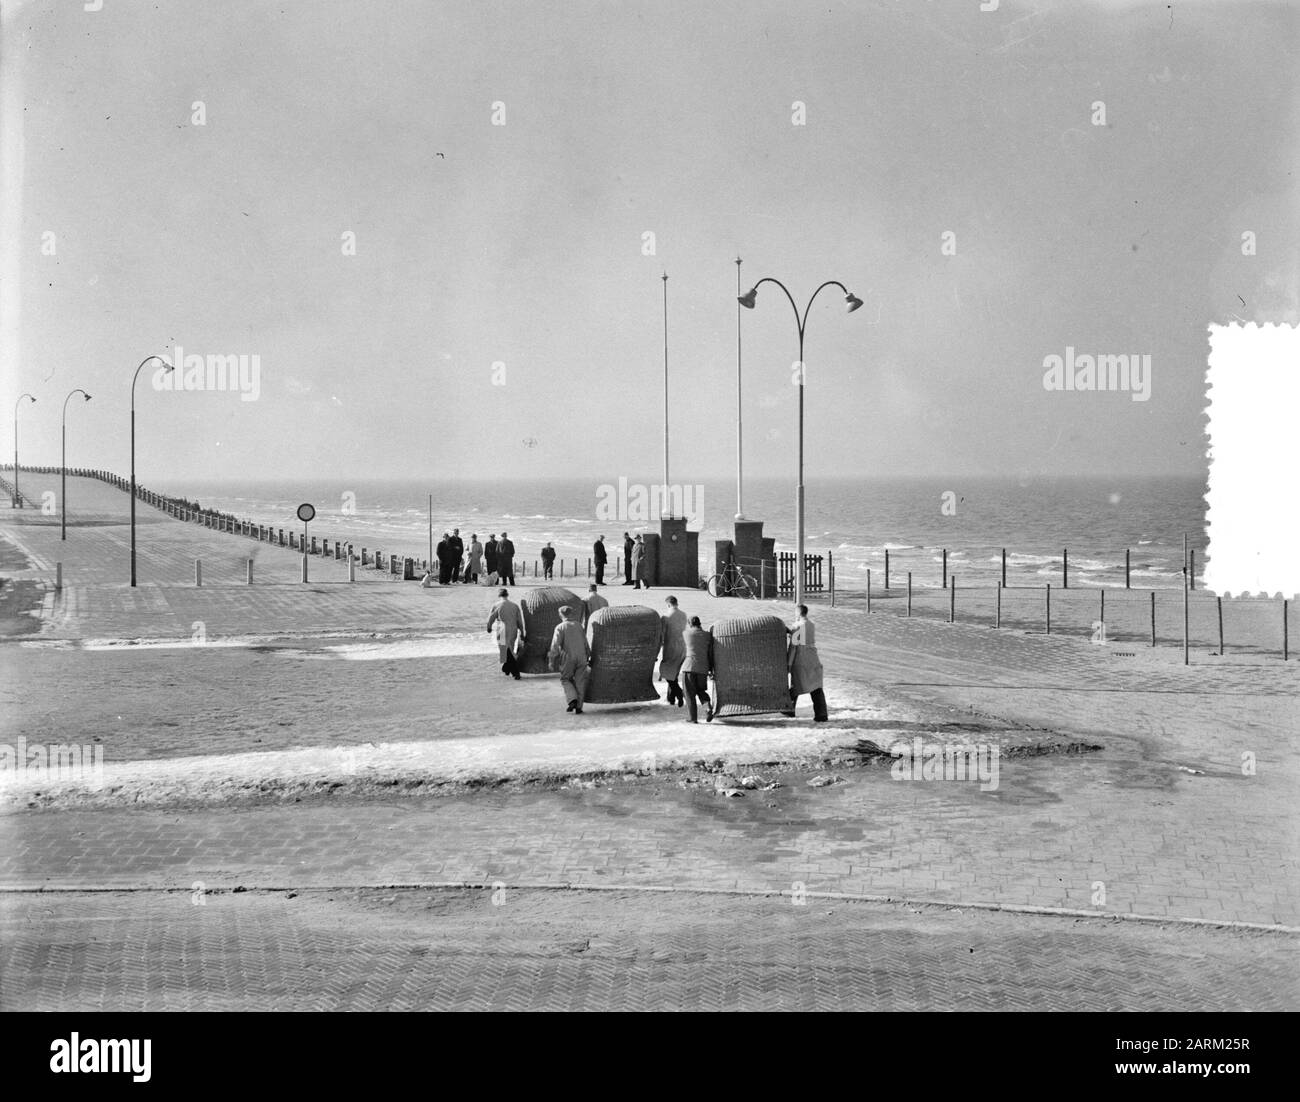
717	585
748	586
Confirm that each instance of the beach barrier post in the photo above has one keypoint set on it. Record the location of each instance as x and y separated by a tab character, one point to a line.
1049	608
1219	602
868	589
952	601
1004	568
1102	617
198	572
588	565
58	577
945	568
304	564
1126	568
909	593
250	572
832	581
1065	568
1191	569
997	623
1153	617
1285	640
352	566
886	569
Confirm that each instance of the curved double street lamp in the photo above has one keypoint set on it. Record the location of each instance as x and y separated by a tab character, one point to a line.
17	496
63	467
166	368
852	302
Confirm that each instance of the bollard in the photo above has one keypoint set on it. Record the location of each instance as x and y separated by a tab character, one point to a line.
909	593
997	621
1219	600
945	568
1065	568
1153	617
1102	617
250	571
832	581
1049	608
1126	568
1186	644
1285	640
1004	567
952	601
352	567
561	568
58	577
588	566
198	572
868	589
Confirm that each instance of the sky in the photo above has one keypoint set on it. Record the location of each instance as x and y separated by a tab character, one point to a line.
441	228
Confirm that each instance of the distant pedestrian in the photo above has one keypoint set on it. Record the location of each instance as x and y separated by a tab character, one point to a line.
628	544
490	558
548	561
506	623
639	563
571	657
506	560
474	564
805	664
456	552
698	645
673	624
444	559
593	604
601	557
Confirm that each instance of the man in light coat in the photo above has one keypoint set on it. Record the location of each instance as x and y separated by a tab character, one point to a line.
639	563
698	645
508	620
673	650
571	657
805	664
593	604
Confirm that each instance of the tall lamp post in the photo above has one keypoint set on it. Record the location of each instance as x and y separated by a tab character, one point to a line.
17	496
852	302
166	367
63	468
740	452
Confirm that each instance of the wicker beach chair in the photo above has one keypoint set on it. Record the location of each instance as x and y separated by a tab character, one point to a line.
749	666
541	614
624	643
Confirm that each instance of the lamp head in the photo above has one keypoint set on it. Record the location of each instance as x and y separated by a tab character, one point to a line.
852	302
166	365
748	298
86	395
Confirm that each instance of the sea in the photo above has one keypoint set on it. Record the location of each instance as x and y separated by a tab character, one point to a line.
852	521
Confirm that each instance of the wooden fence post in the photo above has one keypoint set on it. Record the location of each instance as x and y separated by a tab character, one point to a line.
886	569
945	568
952	601
869	593
1126	568
1219	601
909	593
997	623
1049	608
1153	617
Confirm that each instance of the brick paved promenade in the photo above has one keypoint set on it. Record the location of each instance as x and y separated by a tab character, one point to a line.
1164	818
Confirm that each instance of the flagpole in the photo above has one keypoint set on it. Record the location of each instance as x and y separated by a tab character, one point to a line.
740	501
665	492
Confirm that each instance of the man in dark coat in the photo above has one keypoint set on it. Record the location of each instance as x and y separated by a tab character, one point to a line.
627	558
506	560
601	557
455	552
490	557
548	561
444	560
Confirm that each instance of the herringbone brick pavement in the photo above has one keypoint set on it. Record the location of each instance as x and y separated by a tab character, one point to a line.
522	950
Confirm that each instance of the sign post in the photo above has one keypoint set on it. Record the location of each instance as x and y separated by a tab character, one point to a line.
306	513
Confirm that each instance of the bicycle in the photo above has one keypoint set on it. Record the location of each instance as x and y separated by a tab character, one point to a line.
732	582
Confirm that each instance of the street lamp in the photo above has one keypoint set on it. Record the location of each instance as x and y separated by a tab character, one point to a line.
851	302
63	469
18	499
166	368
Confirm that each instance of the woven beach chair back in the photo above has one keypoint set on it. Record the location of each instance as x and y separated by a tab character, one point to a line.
749	658
624	644
541	615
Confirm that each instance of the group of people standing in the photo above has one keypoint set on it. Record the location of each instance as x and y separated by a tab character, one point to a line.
635	563
495	559
685	653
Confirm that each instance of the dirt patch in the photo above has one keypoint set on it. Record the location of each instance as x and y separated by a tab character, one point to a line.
20	607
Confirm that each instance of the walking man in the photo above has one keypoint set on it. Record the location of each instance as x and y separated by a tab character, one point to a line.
506	560
593	604
627	559
506	622
570	656
672	624
698	646
805	664
600	556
